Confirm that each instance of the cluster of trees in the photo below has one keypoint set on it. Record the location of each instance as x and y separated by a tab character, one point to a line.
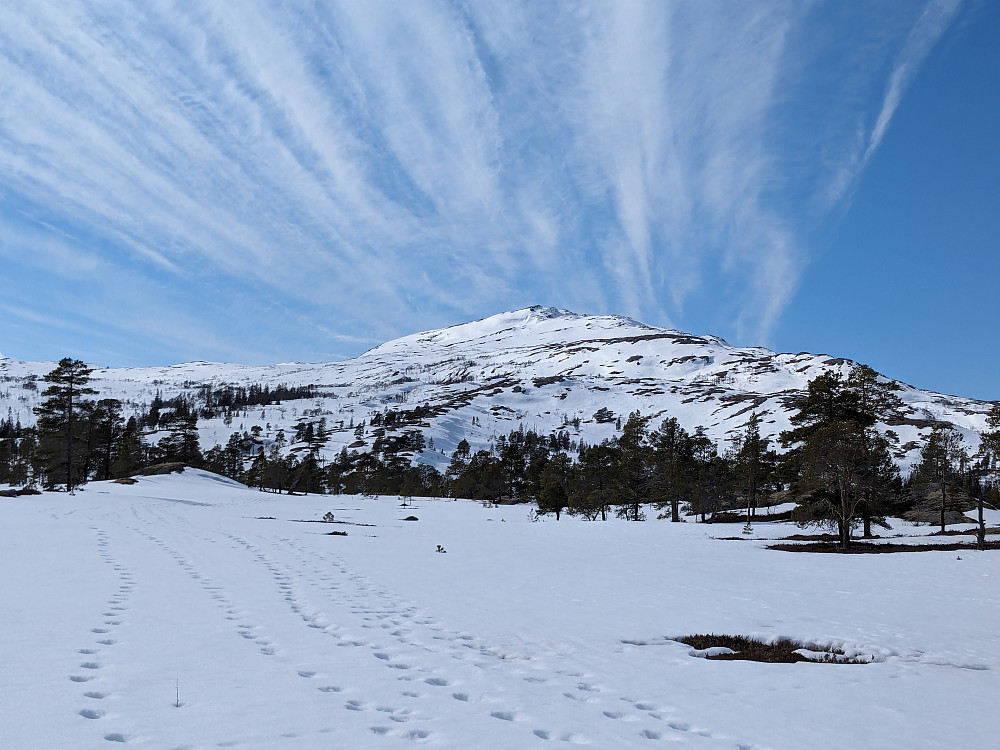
229	397
834	463
77	439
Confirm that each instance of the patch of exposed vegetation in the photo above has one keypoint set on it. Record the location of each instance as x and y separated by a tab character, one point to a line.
784	651
867	548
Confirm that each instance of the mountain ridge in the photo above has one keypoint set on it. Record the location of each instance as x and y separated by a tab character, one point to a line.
538	367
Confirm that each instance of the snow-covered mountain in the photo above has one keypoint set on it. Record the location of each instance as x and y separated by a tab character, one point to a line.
540	367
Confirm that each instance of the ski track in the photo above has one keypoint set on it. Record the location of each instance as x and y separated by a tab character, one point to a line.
343	616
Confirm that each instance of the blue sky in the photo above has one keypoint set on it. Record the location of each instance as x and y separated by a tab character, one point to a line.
302	181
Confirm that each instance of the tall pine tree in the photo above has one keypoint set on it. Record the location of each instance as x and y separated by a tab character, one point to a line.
60	417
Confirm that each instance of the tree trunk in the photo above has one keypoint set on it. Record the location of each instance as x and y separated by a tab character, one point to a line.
69	443
981	531
944	500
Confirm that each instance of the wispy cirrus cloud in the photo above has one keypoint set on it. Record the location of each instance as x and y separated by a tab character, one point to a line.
302	181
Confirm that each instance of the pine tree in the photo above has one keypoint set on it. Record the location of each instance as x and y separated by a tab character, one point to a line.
59	421
107	427
182	445
130	452
592	490
632	468
988	467
840	465
943	462
672	465
754	465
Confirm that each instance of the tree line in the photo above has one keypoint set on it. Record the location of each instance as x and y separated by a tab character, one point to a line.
834	463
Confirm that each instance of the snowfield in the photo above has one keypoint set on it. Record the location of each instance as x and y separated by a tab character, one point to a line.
273	634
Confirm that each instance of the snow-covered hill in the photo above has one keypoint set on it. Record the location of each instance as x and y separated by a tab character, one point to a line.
539	367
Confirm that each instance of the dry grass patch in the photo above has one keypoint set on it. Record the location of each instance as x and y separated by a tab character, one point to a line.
742	648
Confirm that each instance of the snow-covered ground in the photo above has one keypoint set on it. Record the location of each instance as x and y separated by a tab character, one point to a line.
521	634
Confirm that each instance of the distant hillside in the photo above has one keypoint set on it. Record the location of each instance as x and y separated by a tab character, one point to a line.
539	367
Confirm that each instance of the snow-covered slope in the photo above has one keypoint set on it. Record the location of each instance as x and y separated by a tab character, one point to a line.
543	368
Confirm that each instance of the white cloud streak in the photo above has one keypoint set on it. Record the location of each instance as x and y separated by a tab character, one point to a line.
377	167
